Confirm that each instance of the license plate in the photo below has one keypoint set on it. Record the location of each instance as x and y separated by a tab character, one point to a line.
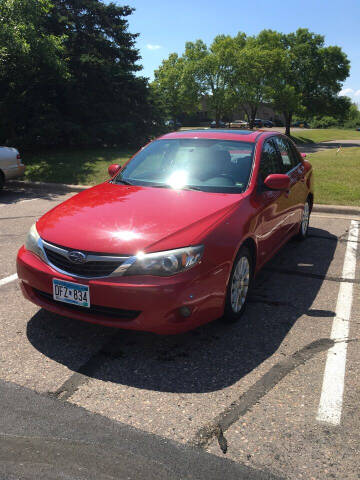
73	293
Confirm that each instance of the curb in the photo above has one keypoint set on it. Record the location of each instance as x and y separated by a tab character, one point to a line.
63	187
336	209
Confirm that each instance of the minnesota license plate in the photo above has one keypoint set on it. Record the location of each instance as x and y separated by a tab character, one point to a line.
73	293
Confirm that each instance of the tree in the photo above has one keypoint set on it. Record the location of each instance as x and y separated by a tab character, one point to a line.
31	68
254	73
68	75
103	100
213	70
175	88
310	74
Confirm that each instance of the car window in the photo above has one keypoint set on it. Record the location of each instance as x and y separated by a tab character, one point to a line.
289	159
270	161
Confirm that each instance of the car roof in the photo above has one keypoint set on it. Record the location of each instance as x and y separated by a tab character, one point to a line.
219	134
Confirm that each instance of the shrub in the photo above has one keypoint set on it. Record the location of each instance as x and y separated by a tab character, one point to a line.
324	122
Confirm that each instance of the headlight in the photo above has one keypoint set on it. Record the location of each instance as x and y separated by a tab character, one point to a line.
166	263
32	242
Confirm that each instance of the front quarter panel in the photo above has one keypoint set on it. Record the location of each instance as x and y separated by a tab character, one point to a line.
223	243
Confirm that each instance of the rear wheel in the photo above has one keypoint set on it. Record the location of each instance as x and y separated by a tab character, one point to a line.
238	287
304	225
2	180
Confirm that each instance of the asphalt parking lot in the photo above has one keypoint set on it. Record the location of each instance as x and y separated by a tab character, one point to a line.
277	393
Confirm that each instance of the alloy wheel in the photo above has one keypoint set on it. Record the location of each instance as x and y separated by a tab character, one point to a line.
240	284
305	219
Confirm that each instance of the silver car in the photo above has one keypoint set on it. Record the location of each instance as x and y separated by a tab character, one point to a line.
11	165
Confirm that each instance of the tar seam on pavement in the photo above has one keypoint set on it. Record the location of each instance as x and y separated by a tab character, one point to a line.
267	382
333	239
16	218
319	276
274	303
85	371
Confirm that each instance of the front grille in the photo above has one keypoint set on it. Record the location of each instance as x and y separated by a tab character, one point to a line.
93	310
87	269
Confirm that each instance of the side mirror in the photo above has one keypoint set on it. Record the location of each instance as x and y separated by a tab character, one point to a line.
277	181
113	169
303	155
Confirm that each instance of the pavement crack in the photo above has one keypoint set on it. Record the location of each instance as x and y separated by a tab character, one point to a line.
255	393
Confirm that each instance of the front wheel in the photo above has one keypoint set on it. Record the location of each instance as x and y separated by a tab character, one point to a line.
238	287
304	225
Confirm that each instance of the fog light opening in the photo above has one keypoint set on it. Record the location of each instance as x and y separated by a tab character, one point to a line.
185	311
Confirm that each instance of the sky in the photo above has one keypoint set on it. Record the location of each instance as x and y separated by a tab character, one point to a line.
165	25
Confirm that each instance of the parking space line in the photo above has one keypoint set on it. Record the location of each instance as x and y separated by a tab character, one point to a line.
11	278
330	406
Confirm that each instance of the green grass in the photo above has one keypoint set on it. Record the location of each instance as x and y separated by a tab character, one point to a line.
314	135
337	176
323	135
87	166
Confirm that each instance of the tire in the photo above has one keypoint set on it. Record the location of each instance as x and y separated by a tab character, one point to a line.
2	180
237	294
304	225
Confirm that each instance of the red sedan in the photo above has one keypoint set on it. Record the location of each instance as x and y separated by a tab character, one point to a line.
173	240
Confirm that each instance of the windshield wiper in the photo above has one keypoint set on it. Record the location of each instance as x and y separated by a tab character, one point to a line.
166	185
124	182
191	187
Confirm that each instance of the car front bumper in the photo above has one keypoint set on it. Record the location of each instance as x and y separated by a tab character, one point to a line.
146	303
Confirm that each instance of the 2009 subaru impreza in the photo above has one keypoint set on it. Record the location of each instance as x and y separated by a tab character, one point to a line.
173	240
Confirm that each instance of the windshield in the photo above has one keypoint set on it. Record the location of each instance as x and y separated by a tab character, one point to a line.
200	164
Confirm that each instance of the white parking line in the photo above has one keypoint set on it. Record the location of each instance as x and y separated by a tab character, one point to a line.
11	278
331	399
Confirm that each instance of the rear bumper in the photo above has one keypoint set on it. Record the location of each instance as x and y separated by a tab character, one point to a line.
137	303
15	172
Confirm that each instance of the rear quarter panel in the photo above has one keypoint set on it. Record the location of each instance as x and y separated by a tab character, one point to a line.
8	162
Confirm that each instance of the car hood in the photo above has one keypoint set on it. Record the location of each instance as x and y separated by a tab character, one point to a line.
125	219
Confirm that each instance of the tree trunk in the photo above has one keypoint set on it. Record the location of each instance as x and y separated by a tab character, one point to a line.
248	116
253	115
217	118
288	118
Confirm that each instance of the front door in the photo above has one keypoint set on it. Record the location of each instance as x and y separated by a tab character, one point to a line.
293	167
274	205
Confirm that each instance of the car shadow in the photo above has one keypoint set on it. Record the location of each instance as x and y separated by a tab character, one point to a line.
213	356
14	192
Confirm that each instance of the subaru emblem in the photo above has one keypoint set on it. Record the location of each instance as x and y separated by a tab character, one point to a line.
77	257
